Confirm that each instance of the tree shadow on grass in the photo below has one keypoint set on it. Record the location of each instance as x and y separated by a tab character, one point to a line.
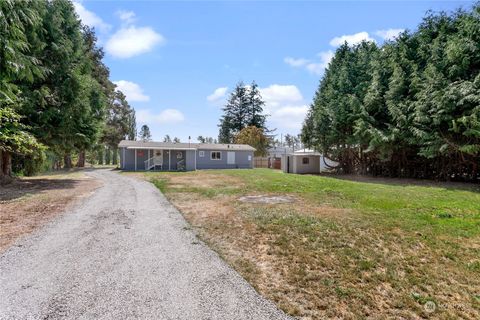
31	186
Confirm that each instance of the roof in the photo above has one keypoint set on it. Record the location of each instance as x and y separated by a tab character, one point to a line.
305	152
139	144
280	150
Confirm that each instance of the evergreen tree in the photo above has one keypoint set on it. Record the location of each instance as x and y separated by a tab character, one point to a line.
18	68
53	78
144	133
410	109
244	108
255	116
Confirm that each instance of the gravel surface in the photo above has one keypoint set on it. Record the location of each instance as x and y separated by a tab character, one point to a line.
125	252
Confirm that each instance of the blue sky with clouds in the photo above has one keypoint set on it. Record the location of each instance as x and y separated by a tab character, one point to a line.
177	61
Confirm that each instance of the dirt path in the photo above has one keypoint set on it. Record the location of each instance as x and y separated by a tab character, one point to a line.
125	252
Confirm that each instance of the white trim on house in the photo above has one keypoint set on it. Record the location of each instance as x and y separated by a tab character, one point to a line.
161	148
123	159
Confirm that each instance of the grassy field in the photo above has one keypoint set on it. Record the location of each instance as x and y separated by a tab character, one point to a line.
344	249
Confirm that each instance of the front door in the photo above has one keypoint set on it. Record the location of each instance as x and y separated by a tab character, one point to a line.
158	158
230	157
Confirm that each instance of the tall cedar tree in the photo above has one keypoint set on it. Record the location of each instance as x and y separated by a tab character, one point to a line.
244	108
410	109
145	134
53	79
18	68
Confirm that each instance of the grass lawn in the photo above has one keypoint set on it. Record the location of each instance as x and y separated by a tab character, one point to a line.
344	249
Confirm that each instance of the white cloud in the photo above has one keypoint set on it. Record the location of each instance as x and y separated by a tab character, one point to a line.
131	90
89	18
289	117
131	41
296	62
285	105
277	94
315	67
389	34
319	67
218	94
126	16
351	39
167	116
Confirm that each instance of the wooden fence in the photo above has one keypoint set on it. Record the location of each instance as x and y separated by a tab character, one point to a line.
260	162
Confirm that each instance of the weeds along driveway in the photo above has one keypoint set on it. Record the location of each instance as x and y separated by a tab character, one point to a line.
124	252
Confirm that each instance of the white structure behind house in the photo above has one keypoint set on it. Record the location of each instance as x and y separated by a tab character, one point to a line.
306	161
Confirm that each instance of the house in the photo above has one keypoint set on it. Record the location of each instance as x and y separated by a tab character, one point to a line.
306	161
169	156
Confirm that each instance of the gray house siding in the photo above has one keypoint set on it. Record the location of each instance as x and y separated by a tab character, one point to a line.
129	164
242	160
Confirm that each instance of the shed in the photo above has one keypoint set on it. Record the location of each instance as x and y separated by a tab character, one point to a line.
305	161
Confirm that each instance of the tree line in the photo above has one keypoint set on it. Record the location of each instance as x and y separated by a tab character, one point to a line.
408	108
57	103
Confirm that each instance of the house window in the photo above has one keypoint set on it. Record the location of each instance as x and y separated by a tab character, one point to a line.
306	160
216	155
179	155
201	154
249	158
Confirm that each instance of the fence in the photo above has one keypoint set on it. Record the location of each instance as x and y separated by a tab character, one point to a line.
260	162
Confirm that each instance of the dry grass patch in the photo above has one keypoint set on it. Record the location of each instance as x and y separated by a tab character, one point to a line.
29	203
343	250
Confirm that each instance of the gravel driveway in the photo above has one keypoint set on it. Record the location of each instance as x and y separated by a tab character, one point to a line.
124	252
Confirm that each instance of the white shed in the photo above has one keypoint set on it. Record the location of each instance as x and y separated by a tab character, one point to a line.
305	161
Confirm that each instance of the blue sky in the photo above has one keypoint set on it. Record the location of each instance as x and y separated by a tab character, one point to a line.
177	61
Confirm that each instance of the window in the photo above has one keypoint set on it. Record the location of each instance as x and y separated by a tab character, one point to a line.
216	155
201	154
249	158
179	155
306	160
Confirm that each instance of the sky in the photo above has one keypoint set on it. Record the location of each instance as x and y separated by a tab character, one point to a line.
177	61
